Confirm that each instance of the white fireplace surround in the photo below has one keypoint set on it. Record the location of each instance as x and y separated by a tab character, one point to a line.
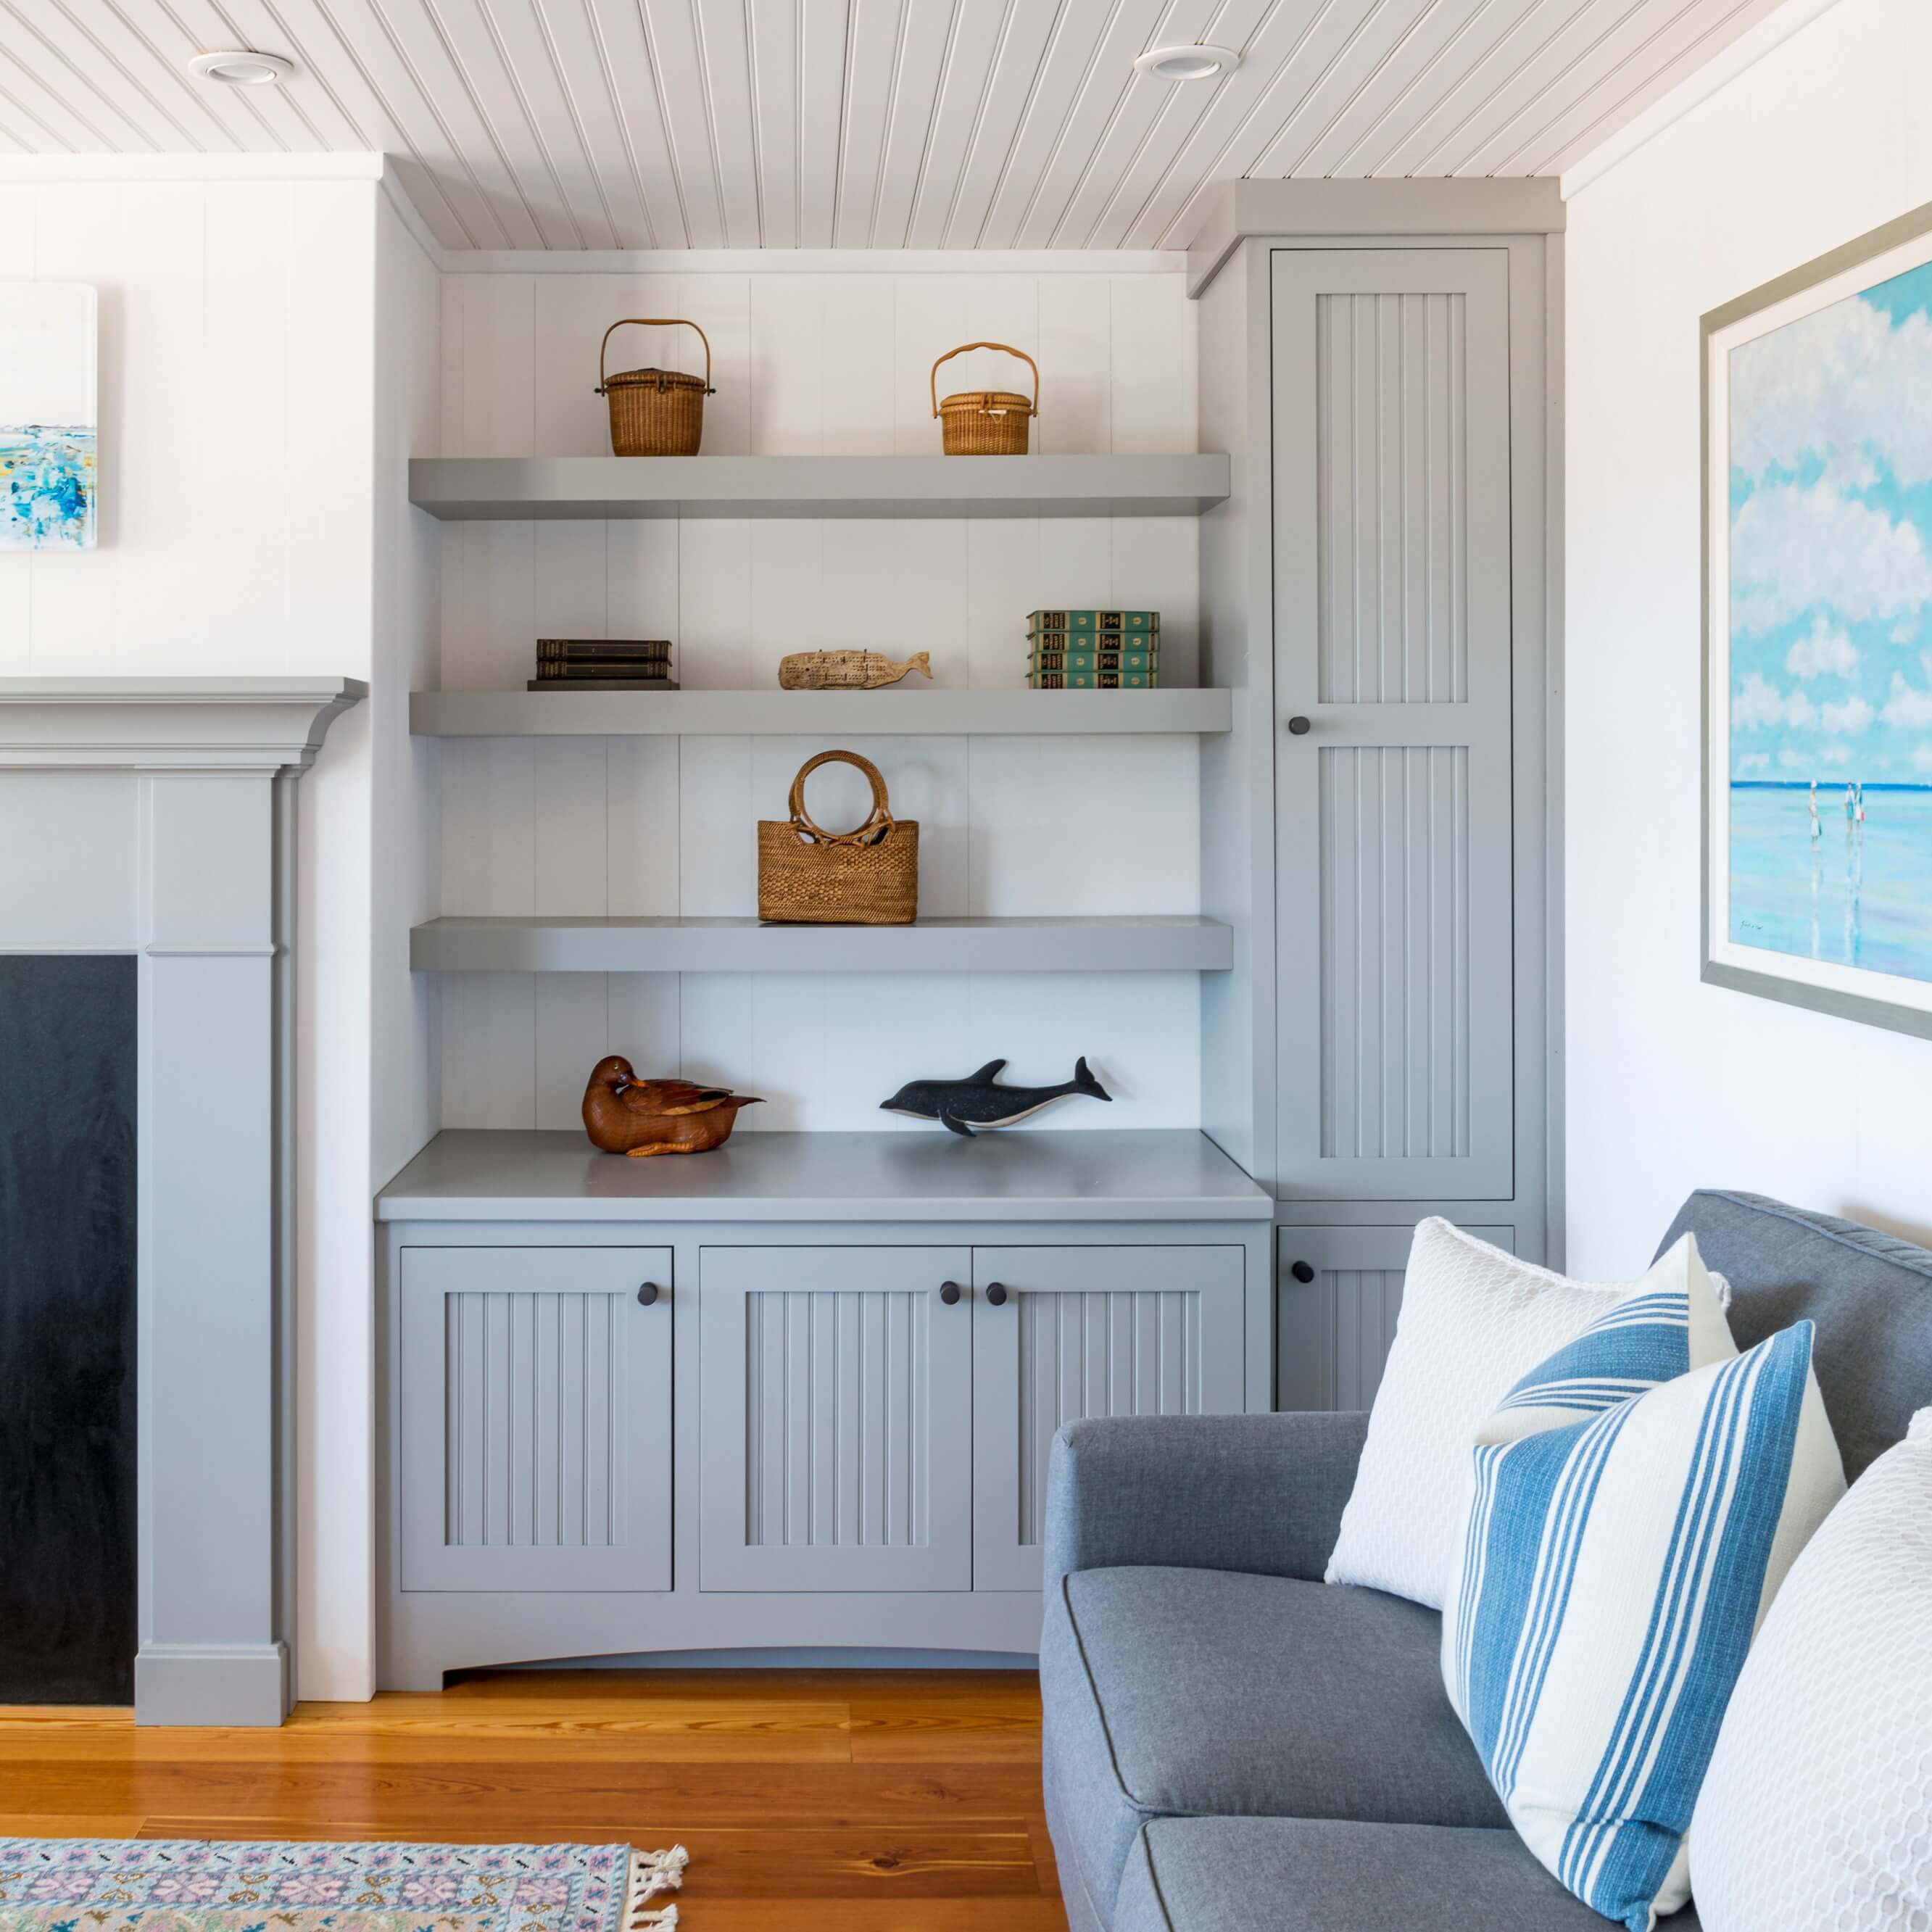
156	816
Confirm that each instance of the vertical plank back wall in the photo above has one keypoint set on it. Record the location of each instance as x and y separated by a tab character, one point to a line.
833	364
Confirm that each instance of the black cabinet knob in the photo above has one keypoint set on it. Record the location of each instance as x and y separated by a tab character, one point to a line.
1302	1271
647	1294
949	1292
1297	725
996	1293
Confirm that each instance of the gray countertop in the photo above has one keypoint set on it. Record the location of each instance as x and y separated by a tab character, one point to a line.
1177	1174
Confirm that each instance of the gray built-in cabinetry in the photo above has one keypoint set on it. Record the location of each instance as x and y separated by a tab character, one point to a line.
800	1393
1378	593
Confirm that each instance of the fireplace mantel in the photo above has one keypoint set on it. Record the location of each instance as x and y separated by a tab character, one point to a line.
156	816
168	724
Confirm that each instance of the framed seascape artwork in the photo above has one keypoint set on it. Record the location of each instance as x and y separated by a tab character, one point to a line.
49	473
1818	634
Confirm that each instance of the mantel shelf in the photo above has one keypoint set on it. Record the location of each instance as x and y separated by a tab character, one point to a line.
567	714
1148	943
470	489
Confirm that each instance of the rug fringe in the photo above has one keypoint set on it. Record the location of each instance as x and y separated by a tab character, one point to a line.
652	1873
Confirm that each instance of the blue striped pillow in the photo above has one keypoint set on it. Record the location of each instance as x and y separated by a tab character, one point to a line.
1610	1575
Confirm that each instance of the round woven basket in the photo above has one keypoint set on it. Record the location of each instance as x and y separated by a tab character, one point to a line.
654	412
984	422
869	876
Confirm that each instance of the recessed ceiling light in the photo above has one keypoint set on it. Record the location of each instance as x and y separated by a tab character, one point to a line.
241	66
1187	63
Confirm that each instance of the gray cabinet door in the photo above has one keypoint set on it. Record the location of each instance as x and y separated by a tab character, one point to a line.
837	1419
535	1419
1393	641
1332	1331
1086	1331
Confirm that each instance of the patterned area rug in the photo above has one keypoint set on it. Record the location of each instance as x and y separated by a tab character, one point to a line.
121	1885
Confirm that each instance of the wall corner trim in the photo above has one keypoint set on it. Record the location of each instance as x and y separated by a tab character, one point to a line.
1515	204
1745	52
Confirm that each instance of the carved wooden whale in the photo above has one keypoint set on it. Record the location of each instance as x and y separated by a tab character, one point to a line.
847	670
980	1100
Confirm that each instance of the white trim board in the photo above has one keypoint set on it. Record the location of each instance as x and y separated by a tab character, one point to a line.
813	261
362	165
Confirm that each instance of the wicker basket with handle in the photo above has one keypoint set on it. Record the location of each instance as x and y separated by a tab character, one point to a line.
866	876
654	412
984	422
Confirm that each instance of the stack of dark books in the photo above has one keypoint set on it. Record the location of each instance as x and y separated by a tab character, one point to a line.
603	664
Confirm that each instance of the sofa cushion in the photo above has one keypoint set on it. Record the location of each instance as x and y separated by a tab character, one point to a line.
1307	1875
1199	1692
1869	1295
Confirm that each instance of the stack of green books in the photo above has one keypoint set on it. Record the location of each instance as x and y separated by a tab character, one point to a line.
1093	650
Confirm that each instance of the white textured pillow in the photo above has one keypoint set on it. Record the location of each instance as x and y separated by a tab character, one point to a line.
1817	1808
1474	1320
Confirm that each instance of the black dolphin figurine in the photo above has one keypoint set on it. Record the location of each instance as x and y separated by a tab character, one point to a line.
980	1101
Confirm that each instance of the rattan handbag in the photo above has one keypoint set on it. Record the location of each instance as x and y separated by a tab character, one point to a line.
984	422
654	412
867	877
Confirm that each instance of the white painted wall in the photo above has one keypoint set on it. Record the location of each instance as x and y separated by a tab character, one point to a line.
1673	1084
836	364
269	359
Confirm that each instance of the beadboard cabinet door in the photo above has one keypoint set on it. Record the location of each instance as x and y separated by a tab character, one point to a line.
1338	1294
1393	668
837	1419
535	1419
1061	1333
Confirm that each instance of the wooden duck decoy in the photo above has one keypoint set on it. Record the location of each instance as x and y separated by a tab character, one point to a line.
623	1114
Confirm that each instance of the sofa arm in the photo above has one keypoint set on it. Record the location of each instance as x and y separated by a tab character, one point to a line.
1260	1493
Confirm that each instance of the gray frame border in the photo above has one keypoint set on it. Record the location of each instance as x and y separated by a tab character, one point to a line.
1868	1009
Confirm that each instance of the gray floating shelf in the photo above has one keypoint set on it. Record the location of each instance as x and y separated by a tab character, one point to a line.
470	489
1147	1174
1130	944
552	714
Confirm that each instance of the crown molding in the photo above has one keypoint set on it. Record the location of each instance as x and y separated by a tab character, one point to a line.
1236	210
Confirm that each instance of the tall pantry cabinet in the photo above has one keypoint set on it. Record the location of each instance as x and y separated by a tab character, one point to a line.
1380	360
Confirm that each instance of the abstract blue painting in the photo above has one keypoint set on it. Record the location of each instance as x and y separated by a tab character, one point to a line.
49	466
1820	623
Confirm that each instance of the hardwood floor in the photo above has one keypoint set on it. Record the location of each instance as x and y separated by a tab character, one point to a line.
866	1800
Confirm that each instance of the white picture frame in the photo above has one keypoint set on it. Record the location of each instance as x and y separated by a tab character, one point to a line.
1802	642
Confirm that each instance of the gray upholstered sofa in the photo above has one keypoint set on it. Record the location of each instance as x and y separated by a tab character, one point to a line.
1234	1746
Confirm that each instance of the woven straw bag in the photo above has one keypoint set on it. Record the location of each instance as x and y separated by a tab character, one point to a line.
866	876
654	412
984	422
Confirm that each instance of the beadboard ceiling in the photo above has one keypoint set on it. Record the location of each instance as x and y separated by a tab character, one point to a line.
883	124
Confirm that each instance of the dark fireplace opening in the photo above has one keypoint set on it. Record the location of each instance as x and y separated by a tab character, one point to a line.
68	1238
